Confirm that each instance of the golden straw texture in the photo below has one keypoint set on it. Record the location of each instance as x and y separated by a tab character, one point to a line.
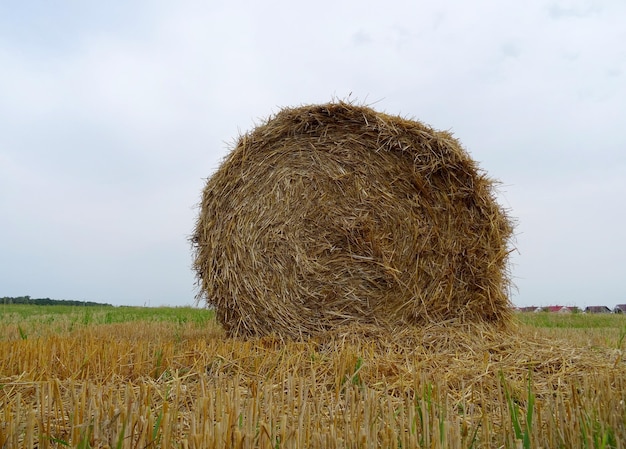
336	214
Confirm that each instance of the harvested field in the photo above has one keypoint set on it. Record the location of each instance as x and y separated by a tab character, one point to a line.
161	378
335	214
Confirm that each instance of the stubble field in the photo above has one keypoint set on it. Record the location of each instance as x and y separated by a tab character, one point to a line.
125	377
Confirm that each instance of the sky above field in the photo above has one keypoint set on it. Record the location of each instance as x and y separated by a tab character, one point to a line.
113	114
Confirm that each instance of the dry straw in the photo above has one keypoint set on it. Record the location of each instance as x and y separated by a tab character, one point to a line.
336	214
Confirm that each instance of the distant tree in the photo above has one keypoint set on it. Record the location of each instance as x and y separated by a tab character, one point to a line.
49	302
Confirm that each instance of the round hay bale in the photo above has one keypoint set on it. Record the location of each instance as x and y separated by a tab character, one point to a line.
337	214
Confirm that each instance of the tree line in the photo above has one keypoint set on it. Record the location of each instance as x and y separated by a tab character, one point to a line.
48	301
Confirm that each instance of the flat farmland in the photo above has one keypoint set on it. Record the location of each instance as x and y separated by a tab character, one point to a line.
127	377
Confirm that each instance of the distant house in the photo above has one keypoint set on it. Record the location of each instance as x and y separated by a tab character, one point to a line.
569	309
557	309
597	309
527	309
553	309
537	309
620	308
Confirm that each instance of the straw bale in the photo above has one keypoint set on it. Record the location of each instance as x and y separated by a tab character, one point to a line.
336	214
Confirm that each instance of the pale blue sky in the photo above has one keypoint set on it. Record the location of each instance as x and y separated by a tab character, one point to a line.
112	114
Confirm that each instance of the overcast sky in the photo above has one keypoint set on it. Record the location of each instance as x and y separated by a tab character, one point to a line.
113	114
